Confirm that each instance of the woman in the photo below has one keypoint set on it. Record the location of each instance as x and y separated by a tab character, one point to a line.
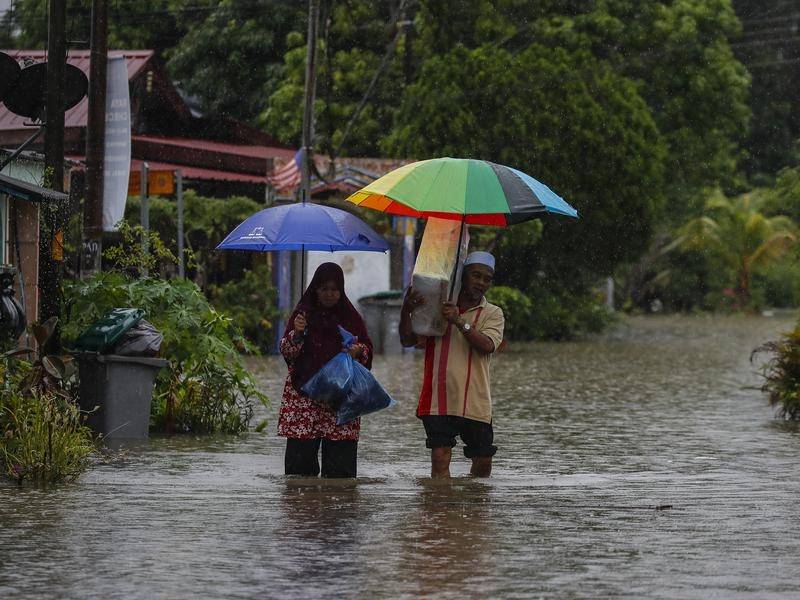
311	339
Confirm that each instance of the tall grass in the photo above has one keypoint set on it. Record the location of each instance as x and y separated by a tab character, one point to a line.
42	437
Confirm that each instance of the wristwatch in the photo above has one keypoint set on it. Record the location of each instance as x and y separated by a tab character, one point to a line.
466	327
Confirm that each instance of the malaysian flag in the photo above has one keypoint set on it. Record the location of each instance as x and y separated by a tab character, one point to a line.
288	176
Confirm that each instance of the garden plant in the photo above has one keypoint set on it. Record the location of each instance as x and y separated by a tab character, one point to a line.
782	373
207	388
42	436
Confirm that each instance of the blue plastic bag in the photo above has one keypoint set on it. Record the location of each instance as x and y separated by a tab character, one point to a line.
332	382
365	396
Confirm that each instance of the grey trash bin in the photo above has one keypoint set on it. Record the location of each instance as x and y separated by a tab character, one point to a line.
118	391
381	314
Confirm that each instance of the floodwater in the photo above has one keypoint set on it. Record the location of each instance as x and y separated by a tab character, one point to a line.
637	465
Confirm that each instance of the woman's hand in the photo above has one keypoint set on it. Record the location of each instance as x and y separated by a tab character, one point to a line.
300	324
412	300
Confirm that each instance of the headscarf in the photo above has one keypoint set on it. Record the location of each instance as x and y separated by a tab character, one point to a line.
323	341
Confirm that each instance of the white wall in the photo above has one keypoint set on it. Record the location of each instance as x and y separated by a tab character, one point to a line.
365	273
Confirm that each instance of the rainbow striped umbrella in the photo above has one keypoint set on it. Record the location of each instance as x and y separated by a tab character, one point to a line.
477	192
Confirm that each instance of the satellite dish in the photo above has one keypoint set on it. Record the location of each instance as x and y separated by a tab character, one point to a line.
9	73
28	97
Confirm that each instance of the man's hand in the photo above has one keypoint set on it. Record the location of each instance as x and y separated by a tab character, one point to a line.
450	312
300	324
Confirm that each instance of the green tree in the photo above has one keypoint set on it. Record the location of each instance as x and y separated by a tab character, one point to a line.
562	116
679	53
768	47
742	236
478	22
232	59
783	198
146	24
358	39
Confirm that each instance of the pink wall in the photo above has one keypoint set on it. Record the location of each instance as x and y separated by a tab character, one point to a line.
27	216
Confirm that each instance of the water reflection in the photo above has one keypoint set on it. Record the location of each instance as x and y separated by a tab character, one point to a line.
322	522
448	543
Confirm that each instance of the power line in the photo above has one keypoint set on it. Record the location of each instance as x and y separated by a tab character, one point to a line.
774	63
747	35
772	42
777	19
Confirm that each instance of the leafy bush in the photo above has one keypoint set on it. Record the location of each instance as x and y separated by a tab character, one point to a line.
692	281
560	316
207	388
543	314
42	436
780	284
782	374
517	309
44	440
251	302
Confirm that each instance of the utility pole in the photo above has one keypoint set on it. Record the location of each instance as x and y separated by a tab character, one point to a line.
308	132
310	96
56	61
52	217
95	140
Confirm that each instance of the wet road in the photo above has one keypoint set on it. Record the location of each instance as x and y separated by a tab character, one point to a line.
596	439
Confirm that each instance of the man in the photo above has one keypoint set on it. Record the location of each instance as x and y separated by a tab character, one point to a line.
455	399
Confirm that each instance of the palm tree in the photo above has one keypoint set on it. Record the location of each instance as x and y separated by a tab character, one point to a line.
744	238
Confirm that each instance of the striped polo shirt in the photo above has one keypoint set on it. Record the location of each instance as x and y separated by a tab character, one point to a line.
455	380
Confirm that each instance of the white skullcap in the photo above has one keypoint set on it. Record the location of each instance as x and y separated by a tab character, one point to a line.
480	258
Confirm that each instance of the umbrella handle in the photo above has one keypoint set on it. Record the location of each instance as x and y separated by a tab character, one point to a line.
458	255
302	269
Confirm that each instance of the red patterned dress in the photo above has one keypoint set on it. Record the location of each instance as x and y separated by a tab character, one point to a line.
302	418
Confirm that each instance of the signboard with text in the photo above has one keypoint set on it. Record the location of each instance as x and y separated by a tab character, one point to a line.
159	183
117	161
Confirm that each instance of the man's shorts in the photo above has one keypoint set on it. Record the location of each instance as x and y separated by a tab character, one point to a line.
476	435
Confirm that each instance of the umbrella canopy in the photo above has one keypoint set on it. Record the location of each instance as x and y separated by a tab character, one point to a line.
477	192
303	226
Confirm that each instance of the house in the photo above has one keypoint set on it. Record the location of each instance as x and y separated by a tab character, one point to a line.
20	197
218	156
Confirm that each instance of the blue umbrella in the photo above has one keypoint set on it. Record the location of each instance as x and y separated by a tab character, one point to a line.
303	226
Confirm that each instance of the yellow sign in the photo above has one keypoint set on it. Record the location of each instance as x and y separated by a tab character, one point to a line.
159	183
58	246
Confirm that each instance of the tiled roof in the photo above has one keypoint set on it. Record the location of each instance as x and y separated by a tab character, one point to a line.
198	173
76	116
189	172
249	151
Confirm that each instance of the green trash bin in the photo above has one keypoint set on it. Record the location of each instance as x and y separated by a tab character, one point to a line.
115	390
102	335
